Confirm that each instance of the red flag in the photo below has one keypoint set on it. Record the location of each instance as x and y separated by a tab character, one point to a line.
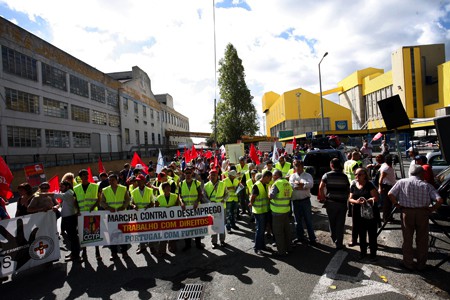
54	184
254	155
90	178
6	178
216	161
294	144
208	154
377	136
178	153
137	160
101	169
193	153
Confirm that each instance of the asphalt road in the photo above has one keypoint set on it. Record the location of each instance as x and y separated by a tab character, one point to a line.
235	272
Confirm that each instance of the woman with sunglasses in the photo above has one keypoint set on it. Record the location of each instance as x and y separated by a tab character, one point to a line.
363	192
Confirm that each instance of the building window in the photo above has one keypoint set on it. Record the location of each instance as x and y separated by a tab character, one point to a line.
138	140
151	113
55	108
54	77
125	104
19	64
57	139
144	111
153	138
21	101
114	121
98	93
81	140
127	136
112	99
159	139
80	114
99	118
79	86
24	137
136	108
157	116
146	137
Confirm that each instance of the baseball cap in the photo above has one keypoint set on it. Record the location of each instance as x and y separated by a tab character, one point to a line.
140	177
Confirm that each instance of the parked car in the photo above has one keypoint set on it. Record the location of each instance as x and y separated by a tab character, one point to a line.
442	181
317	163
437	162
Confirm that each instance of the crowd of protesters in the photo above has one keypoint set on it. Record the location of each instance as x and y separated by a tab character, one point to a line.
271	193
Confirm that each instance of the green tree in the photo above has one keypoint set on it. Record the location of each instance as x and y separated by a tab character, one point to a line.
236	114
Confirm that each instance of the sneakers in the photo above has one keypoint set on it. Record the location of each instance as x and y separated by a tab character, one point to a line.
259	253
141	250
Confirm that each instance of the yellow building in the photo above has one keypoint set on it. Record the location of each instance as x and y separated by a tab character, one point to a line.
299	110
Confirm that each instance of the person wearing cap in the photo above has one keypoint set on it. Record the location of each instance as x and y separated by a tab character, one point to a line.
131	183
141	198
412	153
161	178
283	165
414	196
215	191
428	175
190	195
259	203
138	169
280	206
301	183
115	198
167	199
231	184
87	195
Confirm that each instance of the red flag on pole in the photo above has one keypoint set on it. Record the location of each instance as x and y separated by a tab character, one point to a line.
193	153
377	136
216	161
90	178
208	154
101	169
137	160
54	184
187	155
254	155
6	178
294	144
178	153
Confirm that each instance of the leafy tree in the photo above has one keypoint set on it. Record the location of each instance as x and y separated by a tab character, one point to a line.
236	114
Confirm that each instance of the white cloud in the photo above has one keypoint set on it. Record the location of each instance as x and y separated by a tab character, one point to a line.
172	40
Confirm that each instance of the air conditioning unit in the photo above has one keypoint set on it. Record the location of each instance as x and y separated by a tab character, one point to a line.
441	112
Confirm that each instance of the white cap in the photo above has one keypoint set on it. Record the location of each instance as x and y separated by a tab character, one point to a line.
138	167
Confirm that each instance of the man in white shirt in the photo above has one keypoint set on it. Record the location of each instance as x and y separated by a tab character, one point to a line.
302	183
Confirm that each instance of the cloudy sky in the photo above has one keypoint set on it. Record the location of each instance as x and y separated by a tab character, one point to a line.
280	42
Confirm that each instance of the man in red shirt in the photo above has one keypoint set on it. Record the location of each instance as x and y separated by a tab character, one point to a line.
428	172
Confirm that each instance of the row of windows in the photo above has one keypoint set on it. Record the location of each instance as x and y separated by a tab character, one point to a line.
372	99
24	66
138	139
24	137
26	102
174	120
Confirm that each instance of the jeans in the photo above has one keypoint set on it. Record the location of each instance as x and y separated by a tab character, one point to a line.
302	211
231	214
261	220
336	216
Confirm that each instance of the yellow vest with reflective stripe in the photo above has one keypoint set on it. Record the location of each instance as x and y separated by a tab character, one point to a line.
261	204
215	194
285	169
88	199
231	187
115	200
189	195
142	201
282	202
348	169
161	199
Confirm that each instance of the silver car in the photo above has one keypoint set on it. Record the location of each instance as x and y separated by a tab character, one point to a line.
437	162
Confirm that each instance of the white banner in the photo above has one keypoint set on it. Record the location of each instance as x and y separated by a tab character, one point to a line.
150	225
28	241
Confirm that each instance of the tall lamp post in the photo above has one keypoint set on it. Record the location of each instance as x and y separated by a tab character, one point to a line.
298	103
321	99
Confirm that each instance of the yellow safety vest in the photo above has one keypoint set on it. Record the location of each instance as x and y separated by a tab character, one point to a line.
215	194
250	184
284	169
140	200
88	199
261	204
162	200
348	169
115	200
282	202
189	195
242	170
231	187
169	181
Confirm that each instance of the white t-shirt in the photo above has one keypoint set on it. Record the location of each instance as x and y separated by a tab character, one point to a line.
390	174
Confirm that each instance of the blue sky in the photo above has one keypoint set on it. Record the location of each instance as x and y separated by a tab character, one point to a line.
280	42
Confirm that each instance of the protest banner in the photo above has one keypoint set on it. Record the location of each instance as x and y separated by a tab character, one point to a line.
150	225
35	174
234	151
27	242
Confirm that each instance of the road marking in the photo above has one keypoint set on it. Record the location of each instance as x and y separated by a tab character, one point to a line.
277	289
369	287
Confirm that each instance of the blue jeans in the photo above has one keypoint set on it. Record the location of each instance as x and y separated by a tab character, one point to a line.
231	214
302	211
261	220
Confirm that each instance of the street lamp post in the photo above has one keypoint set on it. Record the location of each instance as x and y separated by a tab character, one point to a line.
321	99
298	103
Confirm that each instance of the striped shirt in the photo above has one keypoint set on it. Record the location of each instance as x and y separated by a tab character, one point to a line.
338	187
413	192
